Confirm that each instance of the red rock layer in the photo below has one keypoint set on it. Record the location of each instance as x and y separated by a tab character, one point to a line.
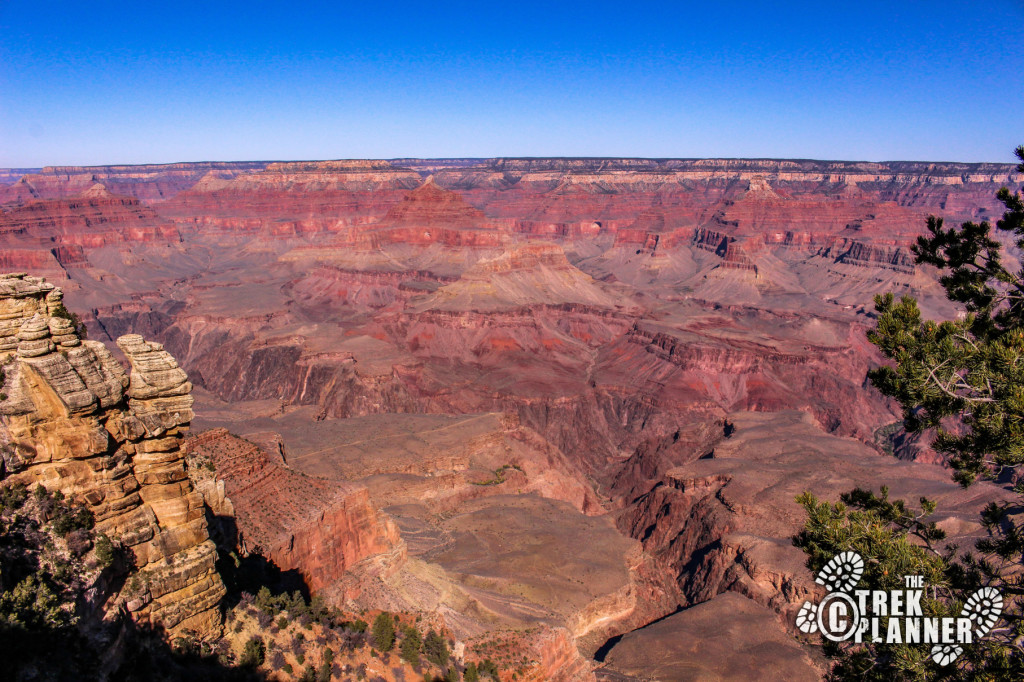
589	379
856	252
9	176
788	202
688	192
289	199
326	284
735	253
551	654
525	257
432	215
96	218
430	206
724	519
321	528
819	218
29	260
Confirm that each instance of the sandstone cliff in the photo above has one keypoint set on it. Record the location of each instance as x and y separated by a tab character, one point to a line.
72	420
318	527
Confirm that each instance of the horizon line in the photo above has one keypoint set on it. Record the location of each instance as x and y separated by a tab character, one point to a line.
514	158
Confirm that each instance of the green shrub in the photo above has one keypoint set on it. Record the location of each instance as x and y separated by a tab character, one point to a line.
76	321
104	551
34	603
253	653
383	632
488	667
12	497
265	601
67	519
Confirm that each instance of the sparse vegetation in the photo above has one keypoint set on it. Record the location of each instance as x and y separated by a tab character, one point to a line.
884	435
12	496
49	560
488	667
331	649
104	551
435	648
499	475
294	607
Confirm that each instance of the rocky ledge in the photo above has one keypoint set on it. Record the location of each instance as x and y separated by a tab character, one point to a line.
72	419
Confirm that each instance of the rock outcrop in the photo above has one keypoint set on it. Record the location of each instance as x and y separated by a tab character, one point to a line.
291	199
522	275
430	206
318	527
542	654
72	420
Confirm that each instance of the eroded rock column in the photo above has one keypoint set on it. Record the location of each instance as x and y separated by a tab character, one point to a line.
72	420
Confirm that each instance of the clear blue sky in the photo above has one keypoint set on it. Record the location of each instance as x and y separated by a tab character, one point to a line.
132	82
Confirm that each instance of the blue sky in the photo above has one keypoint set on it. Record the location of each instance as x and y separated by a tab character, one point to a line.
111	82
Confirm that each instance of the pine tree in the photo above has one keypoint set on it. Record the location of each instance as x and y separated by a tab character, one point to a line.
967	372
411	643
435	648
963	379
897	541
383	632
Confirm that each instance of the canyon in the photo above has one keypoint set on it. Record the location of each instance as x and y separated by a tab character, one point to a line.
564	404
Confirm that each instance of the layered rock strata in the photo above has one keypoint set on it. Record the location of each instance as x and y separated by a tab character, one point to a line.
149	182
318	527
72	419
92	219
